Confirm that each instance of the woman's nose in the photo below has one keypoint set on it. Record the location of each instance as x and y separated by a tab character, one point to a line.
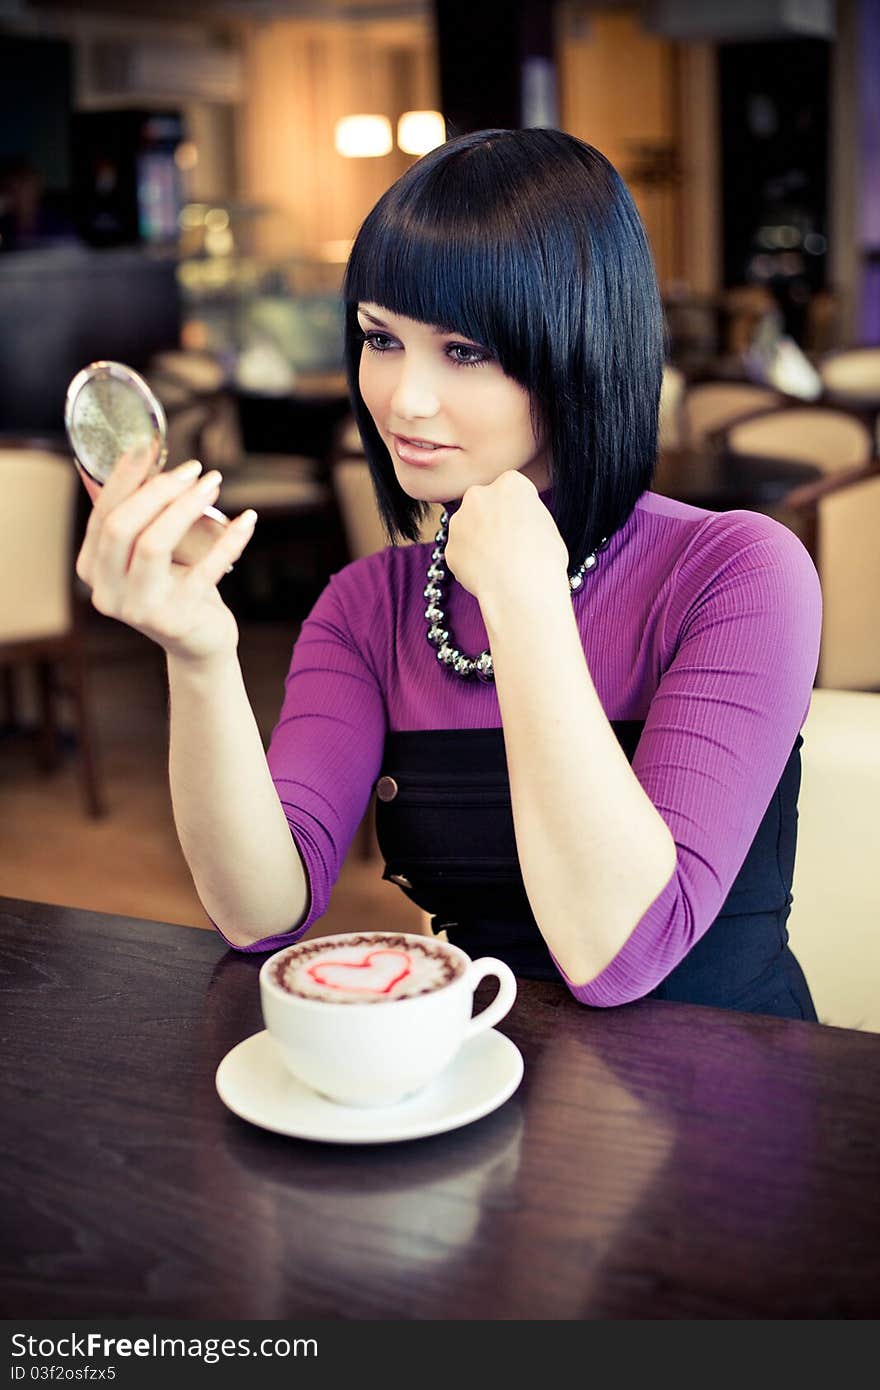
415	394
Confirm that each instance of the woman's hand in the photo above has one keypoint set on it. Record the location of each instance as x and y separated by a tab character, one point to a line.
126	557
503	543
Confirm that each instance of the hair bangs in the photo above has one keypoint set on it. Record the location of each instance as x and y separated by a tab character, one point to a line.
422	258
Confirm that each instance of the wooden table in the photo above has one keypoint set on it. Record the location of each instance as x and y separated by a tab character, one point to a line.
724	482
657	1161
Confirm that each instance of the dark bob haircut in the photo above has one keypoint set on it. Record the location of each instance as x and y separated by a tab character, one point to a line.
529	243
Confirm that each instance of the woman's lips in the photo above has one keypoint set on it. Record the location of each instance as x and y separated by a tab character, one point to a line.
418	455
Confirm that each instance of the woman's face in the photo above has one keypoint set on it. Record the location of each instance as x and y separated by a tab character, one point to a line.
424	386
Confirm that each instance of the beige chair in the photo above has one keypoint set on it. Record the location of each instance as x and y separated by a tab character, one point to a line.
744	307
203	423
361	519
348	438
832	440
356	499
708	406
842	516
353	486
851	377
852	372
41	608
672	389
835	916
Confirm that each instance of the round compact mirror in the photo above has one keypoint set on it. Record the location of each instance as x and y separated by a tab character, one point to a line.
109	411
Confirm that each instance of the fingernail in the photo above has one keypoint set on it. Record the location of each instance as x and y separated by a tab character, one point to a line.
210	480
247	520
192	469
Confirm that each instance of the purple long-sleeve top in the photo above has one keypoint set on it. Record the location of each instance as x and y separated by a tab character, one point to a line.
704	625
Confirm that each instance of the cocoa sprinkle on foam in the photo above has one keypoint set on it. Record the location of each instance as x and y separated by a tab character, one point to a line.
291	972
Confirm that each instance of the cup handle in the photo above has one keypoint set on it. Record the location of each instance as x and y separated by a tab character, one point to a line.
503	1001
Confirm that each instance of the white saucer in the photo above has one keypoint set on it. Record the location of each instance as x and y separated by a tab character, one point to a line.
254	1083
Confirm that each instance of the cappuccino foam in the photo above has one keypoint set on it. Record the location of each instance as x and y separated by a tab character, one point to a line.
370	968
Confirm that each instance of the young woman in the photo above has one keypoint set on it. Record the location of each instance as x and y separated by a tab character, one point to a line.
581	706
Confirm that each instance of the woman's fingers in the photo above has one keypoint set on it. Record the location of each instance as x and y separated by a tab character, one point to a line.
199	539
156	542
225	551
118	534
130	470
111	502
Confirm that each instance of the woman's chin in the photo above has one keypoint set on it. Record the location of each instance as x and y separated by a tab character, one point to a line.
428	490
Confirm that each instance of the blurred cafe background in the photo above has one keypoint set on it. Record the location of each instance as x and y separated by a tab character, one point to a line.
179	187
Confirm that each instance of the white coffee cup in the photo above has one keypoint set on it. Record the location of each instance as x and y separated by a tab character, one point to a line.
383	1047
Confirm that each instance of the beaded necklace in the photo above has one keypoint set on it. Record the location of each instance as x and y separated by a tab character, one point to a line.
439	633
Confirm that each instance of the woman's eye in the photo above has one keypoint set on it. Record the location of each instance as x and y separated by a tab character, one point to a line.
463	355
376	342
460	354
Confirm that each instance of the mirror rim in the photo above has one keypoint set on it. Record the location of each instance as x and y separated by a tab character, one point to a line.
117	371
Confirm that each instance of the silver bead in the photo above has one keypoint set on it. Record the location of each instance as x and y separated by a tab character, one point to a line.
484	664
447	653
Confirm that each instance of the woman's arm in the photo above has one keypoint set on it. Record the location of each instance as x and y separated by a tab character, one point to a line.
594	852
265	834
739	650
232	829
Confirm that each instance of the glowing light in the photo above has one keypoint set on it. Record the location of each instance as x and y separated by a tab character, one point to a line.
219	241
420	131
192	216
363	137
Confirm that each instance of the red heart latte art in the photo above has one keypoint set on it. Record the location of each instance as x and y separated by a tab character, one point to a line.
383	970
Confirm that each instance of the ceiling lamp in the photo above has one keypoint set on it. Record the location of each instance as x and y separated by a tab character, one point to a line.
363	137
420	131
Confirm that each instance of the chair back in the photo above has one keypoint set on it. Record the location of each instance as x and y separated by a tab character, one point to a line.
672	390
359	510
708	406
852	372
356	496
848	561
361	521
37	536
835	916
348	438
202	415
833	440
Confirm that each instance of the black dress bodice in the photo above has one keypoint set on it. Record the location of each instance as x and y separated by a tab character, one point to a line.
445	827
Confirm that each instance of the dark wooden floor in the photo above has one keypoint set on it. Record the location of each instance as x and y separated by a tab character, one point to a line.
130	861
